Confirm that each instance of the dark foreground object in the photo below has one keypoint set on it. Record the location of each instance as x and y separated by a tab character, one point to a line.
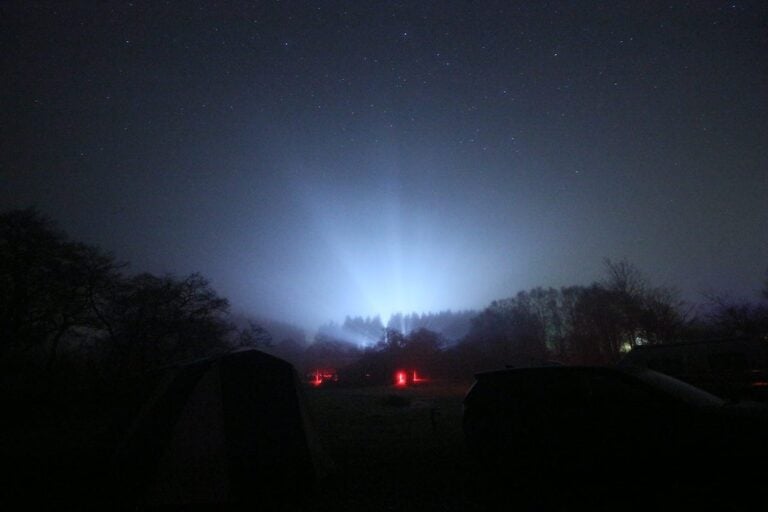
228	432
733	368
571	437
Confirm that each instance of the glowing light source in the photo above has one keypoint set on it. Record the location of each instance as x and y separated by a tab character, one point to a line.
390	262
405	377
318	377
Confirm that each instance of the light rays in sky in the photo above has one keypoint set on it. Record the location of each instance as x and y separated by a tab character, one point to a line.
388	255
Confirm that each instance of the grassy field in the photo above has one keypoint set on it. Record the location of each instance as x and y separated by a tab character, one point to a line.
393	449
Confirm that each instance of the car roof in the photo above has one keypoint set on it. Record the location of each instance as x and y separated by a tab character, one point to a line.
559	368
661	382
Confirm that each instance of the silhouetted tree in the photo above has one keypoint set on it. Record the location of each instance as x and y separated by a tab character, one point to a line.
593	324
422	350
392	341
507	331
254	336
329	352
728	318
599	326
51	289
623	277
664	317
640	313
451	325
159	320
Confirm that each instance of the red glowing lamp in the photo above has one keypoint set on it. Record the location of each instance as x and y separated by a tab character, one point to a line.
407	377
320	376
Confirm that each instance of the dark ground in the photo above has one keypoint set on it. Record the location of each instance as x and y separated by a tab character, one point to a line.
403	450
393	449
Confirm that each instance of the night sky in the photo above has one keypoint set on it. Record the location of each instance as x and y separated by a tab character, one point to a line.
323	159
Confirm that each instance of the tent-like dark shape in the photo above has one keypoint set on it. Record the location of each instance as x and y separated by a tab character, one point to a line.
231	430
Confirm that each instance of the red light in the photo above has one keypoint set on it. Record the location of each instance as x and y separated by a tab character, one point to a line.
407	377
321	376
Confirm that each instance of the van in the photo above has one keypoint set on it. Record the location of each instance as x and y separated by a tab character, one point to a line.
733	368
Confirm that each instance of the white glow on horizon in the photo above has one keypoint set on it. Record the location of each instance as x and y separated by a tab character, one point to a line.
386	262
381	249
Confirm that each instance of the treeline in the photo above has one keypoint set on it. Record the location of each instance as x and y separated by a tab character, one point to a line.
450	325
595	324
72	316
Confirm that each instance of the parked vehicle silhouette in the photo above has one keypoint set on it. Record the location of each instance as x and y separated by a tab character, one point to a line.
733	368
611	431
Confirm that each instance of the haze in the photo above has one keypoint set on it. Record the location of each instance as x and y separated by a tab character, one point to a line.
354	158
